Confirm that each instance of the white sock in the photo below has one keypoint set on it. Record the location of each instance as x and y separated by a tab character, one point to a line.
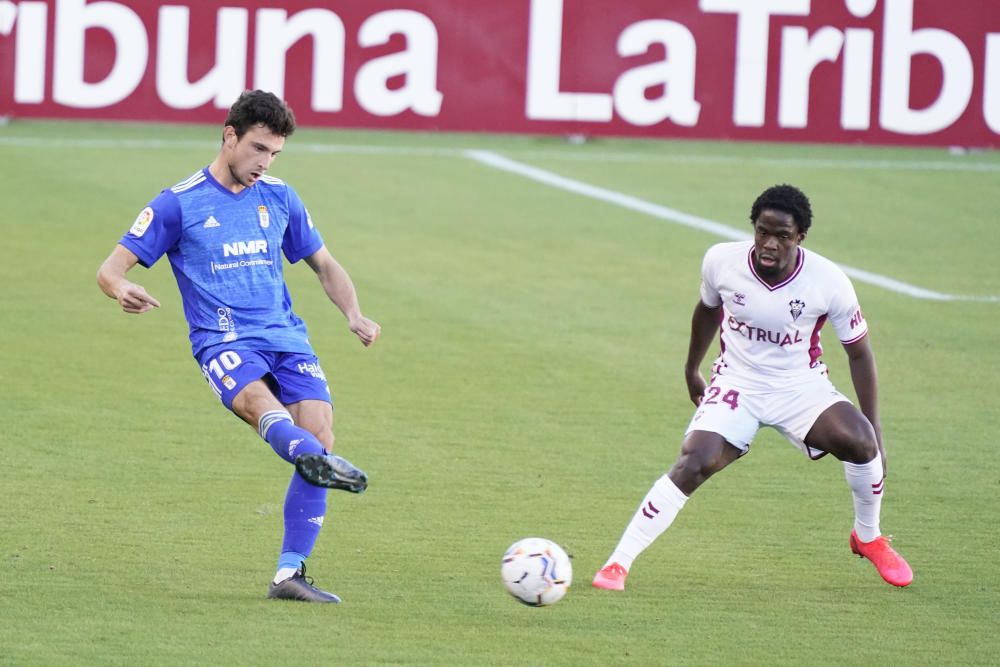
866	481
284	573
655	514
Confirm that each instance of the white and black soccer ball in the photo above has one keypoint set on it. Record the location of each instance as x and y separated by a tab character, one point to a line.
536	571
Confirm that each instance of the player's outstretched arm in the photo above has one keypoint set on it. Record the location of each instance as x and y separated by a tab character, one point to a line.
131	297
339	287
704	325
864	376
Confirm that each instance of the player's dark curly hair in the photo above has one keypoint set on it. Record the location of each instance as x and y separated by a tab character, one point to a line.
787	199
258	107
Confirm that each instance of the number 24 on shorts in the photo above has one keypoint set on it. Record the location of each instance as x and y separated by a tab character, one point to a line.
730	398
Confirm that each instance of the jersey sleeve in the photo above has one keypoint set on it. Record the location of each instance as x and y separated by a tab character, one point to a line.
845	312
710	295
156	230
301	237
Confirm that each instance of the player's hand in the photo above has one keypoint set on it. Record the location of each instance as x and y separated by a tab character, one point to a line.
134	299
696	386
365	329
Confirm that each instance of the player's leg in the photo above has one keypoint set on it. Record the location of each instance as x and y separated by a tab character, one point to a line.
305	503
257	405
719	433
316	416
842	430
328	470
301	386
304	514
703	454
244	382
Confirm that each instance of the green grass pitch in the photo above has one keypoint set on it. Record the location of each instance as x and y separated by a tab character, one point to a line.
528	382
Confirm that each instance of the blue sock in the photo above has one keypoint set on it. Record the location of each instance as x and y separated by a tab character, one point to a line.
290	559
305	507
286	439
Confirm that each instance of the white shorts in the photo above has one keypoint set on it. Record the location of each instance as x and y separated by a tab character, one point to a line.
737	413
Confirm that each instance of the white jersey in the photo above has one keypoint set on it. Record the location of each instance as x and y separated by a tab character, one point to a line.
770	334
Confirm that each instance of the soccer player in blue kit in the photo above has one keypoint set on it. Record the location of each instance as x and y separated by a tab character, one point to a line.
224	230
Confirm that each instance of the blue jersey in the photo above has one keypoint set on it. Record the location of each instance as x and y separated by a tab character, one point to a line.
224	251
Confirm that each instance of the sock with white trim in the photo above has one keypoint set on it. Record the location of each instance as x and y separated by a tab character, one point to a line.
658	510
286	439
867	482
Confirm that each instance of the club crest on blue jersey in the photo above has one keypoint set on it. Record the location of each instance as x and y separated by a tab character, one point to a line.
795	307
739	299
265	219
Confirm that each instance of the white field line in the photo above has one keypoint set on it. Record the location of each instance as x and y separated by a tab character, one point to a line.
549	178
960	163
499	162
785	163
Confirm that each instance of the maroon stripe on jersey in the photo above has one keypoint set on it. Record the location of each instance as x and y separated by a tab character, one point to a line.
799	261
722	330
815	347
855	339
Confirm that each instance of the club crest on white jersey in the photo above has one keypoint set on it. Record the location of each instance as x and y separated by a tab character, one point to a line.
770	333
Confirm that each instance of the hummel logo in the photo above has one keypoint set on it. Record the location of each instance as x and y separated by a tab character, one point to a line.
211	222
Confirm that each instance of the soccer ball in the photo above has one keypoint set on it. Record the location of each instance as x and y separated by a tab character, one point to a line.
536	571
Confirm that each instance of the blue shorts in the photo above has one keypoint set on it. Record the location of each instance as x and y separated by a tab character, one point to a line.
292	376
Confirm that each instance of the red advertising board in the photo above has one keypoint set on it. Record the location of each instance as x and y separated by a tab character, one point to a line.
873	71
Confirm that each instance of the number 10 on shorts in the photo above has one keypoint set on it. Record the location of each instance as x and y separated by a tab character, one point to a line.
218	366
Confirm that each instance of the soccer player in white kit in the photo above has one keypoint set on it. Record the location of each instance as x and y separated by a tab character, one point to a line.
768	299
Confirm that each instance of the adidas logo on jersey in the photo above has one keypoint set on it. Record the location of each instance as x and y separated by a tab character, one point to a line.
211	222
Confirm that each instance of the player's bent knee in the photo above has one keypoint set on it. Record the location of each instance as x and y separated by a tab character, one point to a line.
685	477
852	447
253	401
691	470
862	451
859	443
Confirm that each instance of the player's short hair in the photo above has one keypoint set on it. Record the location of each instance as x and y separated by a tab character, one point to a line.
258	107
787	199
